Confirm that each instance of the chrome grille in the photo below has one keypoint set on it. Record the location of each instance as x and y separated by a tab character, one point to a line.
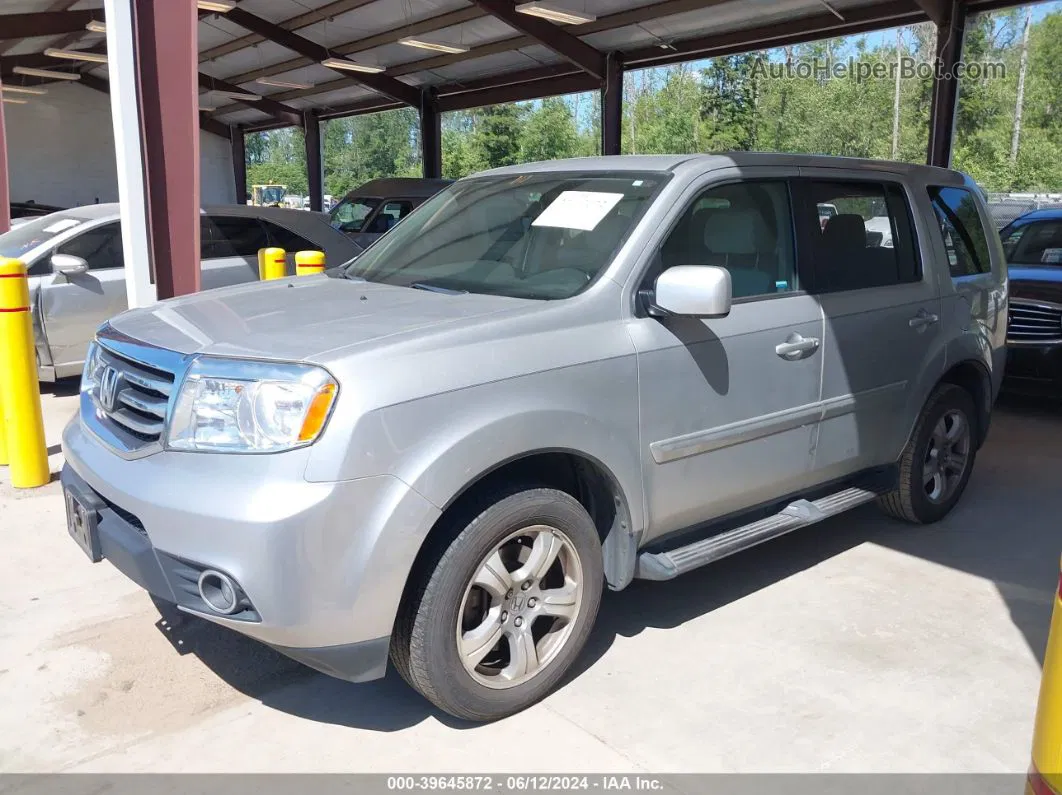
1034	322
132	397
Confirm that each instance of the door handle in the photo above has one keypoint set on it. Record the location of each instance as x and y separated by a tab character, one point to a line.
922	320
796	347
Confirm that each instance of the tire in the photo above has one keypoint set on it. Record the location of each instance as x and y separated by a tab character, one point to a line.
456	602
916	498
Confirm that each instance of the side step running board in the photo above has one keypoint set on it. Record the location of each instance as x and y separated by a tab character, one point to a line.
667	565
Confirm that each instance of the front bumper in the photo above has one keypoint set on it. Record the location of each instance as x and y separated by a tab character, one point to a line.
322	565
1034	370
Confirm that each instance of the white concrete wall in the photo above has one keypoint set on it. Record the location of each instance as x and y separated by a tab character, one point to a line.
61	151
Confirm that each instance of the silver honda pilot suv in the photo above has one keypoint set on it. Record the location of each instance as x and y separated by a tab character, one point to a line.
548	378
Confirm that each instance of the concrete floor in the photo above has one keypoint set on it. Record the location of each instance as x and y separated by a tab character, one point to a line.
856	645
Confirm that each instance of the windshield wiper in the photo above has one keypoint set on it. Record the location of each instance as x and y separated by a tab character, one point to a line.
341	273
436	289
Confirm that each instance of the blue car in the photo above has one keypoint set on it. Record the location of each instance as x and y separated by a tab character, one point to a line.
1033	246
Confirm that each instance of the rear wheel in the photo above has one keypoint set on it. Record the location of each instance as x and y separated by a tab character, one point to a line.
936	463
497	617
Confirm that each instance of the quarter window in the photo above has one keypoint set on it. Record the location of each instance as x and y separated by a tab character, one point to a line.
288	240
863	238
745	227
964	235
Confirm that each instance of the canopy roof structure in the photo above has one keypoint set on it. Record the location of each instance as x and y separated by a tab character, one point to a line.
461	53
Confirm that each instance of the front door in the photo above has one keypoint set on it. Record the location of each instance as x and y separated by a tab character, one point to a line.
729	405
882	311
73	307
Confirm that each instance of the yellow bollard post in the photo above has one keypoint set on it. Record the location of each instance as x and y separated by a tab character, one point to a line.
261	264
20	392
3	434
275	265
308	263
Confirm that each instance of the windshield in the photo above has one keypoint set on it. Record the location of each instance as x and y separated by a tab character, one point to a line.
273	194
350	214
545	235
1034	243
27	236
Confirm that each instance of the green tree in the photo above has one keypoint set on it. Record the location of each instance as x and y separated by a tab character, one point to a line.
549	132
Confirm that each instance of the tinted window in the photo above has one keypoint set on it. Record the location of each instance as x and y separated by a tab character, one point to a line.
288	240
231	236
964	236
866	238
746	228
100	247
1034	243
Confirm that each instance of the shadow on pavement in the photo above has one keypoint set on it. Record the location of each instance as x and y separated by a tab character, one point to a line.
1005	530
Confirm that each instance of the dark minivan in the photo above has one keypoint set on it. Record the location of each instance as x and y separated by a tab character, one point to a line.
370	210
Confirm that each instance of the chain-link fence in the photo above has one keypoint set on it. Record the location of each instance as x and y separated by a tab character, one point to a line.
1005	207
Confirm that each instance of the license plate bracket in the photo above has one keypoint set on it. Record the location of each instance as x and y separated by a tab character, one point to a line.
82	522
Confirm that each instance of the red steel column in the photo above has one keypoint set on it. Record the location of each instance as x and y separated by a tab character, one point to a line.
168	82
5	191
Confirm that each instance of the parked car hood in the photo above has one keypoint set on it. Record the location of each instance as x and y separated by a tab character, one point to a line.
1035	273
299	318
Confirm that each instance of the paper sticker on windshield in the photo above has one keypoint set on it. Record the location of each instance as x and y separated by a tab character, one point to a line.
61	226
577	209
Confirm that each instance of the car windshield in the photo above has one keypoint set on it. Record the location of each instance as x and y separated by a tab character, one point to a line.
27	236
350	214
1034	243
544	235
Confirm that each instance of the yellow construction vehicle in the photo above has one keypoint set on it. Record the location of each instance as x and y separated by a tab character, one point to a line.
268	195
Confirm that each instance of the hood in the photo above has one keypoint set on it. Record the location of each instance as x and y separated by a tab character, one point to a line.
1035	273
299	318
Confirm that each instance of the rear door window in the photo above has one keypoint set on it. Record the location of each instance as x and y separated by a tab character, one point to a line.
965	239
232	236
859	235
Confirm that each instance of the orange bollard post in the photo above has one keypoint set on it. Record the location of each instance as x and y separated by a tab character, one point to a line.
275	265
308	263
20	392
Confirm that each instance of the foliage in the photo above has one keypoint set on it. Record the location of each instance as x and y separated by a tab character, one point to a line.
739	102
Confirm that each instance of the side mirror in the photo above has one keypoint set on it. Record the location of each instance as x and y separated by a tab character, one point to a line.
692	291
69	265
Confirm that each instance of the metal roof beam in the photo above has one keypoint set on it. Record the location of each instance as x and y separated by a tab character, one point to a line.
564	44
294	23
46	23
381	84
278	110
209	125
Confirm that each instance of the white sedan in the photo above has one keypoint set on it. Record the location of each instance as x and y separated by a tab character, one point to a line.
77	274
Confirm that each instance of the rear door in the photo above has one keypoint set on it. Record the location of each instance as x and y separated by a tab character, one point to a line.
882	312
73	307
229	246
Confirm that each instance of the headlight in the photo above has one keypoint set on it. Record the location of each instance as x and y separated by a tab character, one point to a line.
250	407
93	365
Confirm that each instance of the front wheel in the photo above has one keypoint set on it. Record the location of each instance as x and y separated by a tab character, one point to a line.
496	618
938	459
